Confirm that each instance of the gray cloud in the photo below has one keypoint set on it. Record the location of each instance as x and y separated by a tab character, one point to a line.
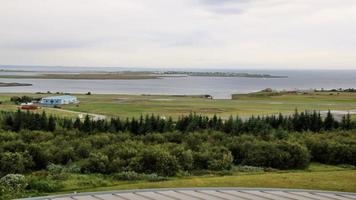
46	45
281	33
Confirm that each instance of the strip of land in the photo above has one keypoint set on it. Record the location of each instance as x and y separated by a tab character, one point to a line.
130	75
223	74
88	76
14	84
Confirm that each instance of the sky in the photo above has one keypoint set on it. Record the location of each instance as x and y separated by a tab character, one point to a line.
252	34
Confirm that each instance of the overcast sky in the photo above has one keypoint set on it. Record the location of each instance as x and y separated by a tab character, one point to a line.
272	34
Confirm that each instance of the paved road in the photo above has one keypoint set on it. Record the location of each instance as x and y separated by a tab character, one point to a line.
207	194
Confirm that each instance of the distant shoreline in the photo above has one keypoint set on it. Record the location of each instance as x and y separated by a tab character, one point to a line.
128	75
223	74
14	84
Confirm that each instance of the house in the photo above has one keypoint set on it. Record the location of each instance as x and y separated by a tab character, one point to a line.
58	100
28	106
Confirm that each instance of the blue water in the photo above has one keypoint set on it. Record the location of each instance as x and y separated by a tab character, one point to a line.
218	87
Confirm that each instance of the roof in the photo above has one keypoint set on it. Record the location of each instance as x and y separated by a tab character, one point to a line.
208	194
60	97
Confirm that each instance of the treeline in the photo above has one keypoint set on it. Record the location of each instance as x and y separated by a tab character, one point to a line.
151	144
154	147
298	122
28	120
170	153
337	90
23	99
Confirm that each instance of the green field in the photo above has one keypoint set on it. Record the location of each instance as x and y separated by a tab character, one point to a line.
317	176
175	106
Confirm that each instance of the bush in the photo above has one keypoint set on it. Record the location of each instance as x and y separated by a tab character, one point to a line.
57	172
279	155
154	178
73	168
96	163
133	176
246	168
212	158
332	152
127	176
14	162
42	184
184	157
55	169
23	99
15	183
156	160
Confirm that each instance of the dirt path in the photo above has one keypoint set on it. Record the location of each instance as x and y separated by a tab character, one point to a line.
81	115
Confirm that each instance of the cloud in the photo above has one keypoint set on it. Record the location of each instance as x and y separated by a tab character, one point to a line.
222	2
225	7
184	33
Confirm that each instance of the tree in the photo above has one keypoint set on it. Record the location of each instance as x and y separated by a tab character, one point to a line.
77	124
87	125
17	125
51	124
329	121
346	122
43	121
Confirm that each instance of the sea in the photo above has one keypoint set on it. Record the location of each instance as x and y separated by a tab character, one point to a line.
218	87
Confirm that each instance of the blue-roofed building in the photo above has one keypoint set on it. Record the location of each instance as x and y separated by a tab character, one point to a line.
58	100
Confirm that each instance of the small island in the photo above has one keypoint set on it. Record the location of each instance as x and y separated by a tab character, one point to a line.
14	84
222	74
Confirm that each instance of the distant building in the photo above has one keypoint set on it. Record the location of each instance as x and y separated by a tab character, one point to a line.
28	106
59	100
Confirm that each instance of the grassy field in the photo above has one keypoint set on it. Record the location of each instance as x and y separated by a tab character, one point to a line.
6	105
244	105
317	176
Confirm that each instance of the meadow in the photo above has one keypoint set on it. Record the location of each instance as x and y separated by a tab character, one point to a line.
316	177
243	105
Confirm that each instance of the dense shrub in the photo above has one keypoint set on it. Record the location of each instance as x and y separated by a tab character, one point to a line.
154	177
184	157
156	159
127	176
331	151
280	155
15	162
212	158
96	163
43	184
13	183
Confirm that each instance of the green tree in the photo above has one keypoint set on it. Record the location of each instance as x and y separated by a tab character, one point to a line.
329	121
51	124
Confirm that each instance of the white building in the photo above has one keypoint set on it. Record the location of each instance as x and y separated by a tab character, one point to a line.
59	100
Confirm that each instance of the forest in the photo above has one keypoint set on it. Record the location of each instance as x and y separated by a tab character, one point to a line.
154	148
